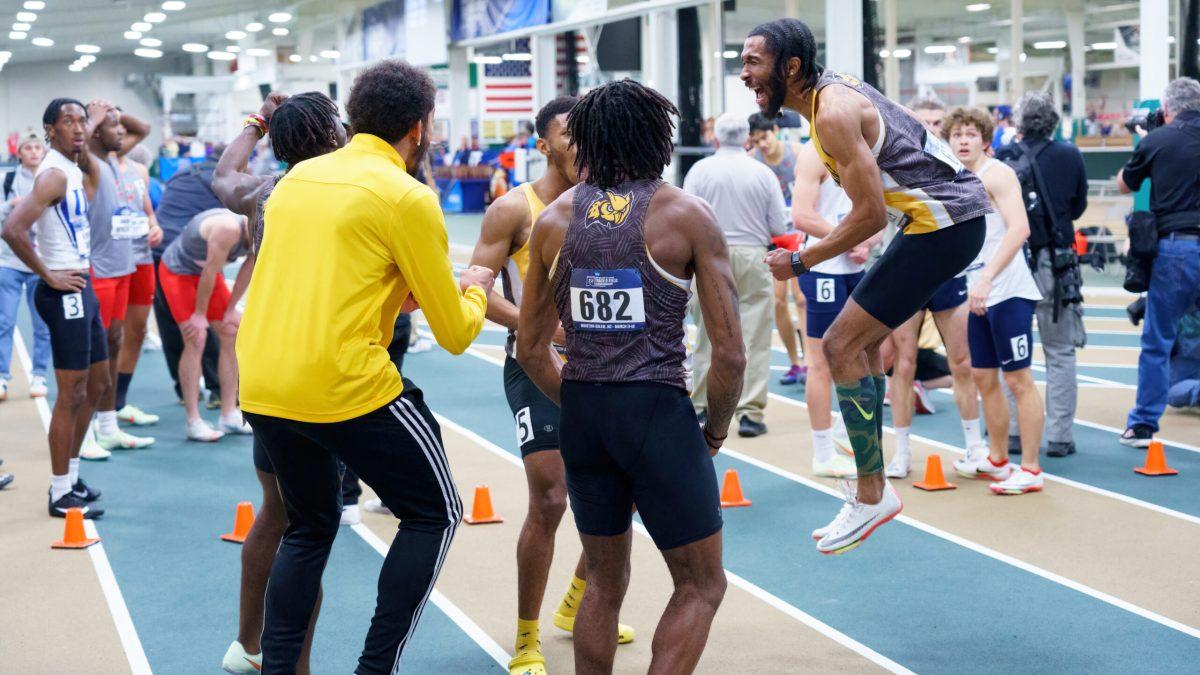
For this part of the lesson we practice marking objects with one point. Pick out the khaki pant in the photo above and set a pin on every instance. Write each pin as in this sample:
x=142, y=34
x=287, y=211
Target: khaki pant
x=756, y=301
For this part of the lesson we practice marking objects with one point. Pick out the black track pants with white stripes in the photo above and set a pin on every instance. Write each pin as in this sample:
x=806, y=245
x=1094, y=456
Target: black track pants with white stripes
x=398, y=451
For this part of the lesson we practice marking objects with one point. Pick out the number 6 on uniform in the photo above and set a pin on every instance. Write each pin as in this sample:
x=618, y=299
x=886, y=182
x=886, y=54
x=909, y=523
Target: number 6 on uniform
x=826, y=290
x=1020, y=347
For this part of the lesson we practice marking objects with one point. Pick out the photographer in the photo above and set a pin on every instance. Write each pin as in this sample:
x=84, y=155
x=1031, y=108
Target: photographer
x=1063, y=193
x=1170, y=158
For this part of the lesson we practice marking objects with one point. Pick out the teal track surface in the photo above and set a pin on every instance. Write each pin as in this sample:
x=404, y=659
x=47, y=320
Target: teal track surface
x=165, y=509
x=893, y=594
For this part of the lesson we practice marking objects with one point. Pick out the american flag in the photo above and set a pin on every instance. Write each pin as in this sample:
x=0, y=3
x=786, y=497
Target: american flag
x=508, y=88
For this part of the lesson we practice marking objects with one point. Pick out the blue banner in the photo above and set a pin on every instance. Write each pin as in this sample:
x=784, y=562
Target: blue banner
x=480, y=18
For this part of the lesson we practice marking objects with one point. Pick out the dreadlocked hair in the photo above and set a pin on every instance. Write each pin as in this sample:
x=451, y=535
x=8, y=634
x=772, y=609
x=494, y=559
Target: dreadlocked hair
x=303, y=127
x=787, y=39
x=623, y=132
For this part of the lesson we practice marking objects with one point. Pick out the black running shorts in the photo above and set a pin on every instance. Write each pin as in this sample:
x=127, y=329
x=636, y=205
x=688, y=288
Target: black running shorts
x=638, y=443
x=914, y=267
x=262, y=461
x=77, y=337
x=535, y=415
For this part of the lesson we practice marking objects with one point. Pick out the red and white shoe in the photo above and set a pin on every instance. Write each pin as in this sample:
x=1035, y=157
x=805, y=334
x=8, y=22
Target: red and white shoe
x=1019, y=483
x=977, y=464
x=923, y=402
x=853, y=525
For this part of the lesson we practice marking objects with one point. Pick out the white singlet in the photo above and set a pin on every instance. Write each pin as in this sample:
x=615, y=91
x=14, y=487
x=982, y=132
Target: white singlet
x=833, y=204
x=1015, y=280
x=63, y=232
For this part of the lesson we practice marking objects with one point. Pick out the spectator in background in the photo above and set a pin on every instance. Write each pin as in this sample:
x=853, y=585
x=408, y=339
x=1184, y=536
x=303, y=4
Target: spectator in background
x=1170, y=158
x=749, y=207
x=1005, y=132
x=16, y=279
x=1056, y=267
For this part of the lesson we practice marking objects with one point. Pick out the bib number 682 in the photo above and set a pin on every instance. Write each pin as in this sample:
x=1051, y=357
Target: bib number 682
x=600, y=305
x=607, y=300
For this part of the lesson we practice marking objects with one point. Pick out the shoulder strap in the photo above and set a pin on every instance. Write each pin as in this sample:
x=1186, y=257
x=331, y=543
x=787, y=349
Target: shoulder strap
x=8, y=183
x=1043, y=192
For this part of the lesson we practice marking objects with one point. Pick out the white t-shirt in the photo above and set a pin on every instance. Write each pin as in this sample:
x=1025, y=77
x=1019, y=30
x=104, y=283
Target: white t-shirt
x=833, y=204
x=63, y=232
x=1015, y=280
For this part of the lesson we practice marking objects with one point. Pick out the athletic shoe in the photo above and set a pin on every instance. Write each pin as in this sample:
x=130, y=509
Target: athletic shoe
x=152, y=343
x=91, y=450
x=1014, y=445
x=624, y=633
x=3, y=390
x=214, y=401
x=132, y=415
x=351, y=515
x=841, y=440
x=794, y=375
x=748, y=428
x=847, y=487
x=838, y=466
x=1019, y=483
x=420, y=344
x=1138, y=436
x=59, y=508
x=37, y=387
x=1060, y=448
x=236, y=425
x=977, y=464
x=887, y=396
x=124, y=441
x=923, y=403
x=239, y=662
x=83, y=491
x=899, y=467
x=854, y=525
x=5, y=479
x=202, y=432
x=376, y=506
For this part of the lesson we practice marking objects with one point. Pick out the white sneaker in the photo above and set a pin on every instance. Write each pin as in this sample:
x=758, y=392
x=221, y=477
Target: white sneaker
x=236, y=425
x=351, y=515
x=854, y=525
x=201, y=431
x=838, y=466
x=376, y=506
x=1020, y=482
x=841, y=439
x=124, y=441
x=238, y=662
x=131, y=414
x=924, y=403
x=977, y=464
x=420, y=344
x=152, y=343
x=847, y=487
x=91, y=450
x=37, y=387
x=899, y=467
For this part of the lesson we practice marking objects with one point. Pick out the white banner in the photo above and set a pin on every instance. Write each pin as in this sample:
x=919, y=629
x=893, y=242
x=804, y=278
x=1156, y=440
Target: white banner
x=425, y=32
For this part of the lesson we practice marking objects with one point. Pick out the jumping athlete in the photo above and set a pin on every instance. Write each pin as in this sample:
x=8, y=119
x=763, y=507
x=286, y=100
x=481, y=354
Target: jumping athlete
x=617, y=256
x=891, y=168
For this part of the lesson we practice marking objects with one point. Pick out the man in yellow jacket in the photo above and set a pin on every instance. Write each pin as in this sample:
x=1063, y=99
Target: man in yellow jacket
x=350, y=237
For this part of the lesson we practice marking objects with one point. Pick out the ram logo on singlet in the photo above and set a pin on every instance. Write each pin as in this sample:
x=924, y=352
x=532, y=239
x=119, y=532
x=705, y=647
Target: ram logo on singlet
x=609, y=209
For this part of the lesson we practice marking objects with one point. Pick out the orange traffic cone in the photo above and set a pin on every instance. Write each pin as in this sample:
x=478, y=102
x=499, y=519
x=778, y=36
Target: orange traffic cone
x=934, y=480
x=73, y=534
x=731, y=491
x=1156, y=462
x=242, y=523
x=481, y=510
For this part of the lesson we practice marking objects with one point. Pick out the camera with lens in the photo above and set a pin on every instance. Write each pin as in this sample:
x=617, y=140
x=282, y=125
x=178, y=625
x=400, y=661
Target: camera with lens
x=1066, y=272
x=1147, y=121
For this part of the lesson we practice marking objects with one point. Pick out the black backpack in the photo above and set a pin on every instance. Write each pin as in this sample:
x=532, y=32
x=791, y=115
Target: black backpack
x=1022, y=159
x=8, y=183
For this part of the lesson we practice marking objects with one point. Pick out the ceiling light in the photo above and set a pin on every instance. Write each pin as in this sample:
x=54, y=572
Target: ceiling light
x=87, y=49
x=279, y=31
x=964, y=40
x=147, y=53
x=1050, y=44
x=194, y=47
x=334, y=54
x=141, y=26
x=5, y=55
x=258, y=51
x=173, y=5
x=17, y=35
x=883, y=53
x=86, y=58
x=730, y=54
x=583, y=58
x=132, y=35
x=979, y=7
x=279, y=17
x=221, y=56
x=902, y=53
x=517, y=56
x=253, y=27
x=1023, y=57
x=1170, y=39
x=489, y=60
x=34, y=5
x=42, y=42
x=27, y=17
x=155, y=17
x=235, y=35
x=940, y=49
x=312, y=58
x=1104, y=46
x=22, y=26
x=295, y=58
x=232, y=49
x=75, y=68
x=993, y=50
x=151, y=42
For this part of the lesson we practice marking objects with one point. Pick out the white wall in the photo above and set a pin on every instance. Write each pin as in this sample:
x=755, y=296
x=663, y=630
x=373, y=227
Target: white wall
x=26, y=88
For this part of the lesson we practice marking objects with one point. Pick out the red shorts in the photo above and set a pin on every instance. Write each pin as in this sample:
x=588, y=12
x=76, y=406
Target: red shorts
x=141, y=286
x=113, y=295
x=790, y=241
x=180, y=290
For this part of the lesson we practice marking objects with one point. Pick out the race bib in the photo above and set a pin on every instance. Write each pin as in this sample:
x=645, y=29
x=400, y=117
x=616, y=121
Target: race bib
x=130, y=226
x=73, y=306
x=897, y=218
x=524, y=426
x=604, y=301
x=83, y=242
x=1020, y=347
x=826, y=290
x=939, y=150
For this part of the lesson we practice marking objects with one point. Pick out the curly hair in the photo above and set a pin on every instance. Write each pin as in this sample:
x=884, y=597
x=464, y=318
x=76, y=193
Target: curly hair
x=623, y=132
x=388, y=98
x=304, y=126
x=1036, y=115
x=966, y=116
x=558, y=106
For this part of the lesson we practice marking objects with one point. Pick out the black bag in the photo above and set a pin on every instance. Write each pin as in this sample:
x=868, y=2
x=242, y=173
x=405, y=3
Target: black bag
x=1143, y=234
x=1024, y=165
x=8, y=183
x=1137, y=274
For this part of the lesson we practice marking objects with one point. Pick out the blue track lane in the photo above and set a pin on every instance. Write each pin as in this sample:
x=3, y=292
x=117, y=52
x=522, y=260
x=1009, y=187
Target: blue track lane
x=893, y=594
x=165, y=508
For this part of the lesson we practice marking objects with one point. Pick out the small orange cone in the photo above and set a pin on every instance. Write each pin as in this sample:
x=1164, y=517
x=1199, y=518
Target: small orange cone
x=481, y=510
x=934, y=480
x=242, y=523
x=1156, y=462
x=731, y=491
x=73, y=534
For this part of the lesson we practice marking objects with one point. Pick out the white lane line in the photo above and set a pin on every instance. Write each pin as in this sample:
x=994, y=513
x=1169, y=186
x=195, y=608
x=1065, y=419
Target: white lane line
x=443, y=603
x=758, y=592
x=1089, y=379
x=126, y=631
x=1123, y=366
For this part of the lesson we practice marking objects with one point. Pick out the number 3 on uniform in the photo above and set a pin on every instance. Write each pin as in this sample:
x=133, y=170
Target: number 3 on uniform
x=524, y=426
x=826, y=290
x=1020, y=347
x=73, y=306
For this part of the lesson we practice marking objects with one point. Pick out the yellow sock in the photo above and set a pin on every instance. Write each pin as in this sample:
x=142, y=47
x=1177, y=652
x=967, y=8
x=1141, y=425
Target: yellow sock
x=570, y=601
x=528, y=638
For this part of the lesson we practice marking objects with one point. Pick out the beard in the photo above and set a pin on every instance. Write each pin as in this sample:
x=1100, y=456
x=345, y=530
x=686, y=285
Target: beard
x=418, y=154
x=778, y=87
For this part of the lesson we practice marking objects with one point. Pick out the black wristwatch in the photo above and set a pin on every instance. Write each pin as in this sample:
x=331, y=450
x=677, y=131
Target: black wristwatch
x=798, y=265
